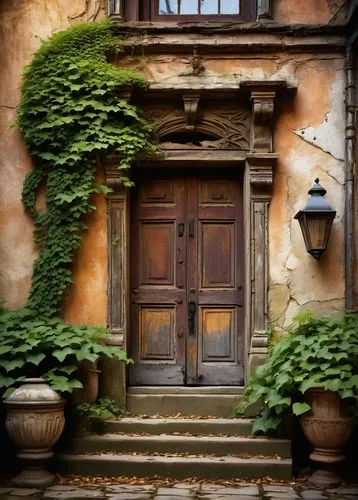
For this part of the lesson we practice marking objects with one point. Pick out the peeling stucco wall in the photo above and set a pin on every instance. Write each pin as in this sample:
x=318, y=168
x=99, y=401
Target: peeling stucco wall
x=297, y=281
x=309, y=11
x=309, y=136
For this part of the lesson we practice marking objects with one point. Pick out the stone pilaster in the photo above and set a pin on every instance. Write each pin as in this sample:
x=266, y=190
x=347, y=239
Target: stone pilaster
x=113, y=378
x=259, y=178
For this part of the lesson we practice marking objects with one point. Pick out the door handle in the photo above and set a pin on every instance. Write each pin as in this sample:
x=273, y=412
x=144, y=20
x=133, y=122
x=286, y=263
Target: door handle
x=181, y=229
x=191, y=317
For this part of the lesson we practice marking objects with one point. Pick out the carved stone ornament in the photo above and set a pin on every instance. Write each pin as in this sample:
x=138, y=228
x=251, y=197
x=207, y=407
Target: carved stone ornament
x=227, y=126
x=191, y=102
x=263, y=107
x=113, y=179
x=263, y=95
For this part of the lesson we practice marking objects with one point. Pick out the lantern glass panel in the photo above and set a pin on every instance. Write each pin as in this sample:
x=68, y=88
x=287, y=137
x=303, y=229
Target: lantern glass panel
x=317, y=227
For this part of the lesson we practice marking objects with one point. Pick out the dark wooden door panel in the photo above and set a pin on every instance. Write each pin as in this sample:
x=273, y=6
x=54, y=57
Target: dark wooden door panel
x=220, y=282
x=217, y=251
x=156, y=254
x=187, y=281
x=158, y=277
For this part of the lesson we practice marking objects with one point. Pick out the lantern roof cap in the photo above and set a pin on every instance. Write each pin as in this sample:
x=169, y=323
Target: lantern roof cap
x=317, y=201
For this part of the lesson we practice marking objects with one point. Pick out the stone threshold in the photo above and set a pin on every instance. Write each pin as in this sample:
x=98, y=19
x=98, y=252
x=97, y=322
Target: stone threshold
x=186, y=390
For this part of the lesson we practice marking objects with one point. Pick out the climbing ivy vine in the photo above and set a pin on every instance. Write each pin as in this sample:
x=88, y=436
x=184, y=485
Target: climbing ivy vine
x=70, y=116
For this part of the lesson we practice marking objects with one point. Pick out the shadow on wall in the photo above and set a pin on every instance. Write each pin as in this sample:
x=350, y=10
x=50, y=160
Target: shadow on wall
x=8, y=461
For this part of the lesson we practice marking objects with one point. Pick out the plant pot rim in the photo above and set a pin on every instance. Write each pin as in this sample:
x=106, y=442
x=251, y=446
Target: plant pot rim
x=35, y=380
x=36, y=404
x=319, y=390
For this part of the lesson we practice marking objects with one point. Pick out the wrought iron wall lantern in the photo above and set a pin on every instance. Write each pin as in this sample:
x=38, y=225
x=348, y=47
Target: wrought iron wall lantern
x=316, y=221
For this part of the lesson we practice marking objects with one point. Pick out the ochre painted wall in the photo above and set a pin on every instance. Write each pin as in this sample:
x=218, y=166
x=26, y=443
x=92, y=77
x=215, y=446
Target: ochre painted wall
x=309, y=136
x=307, y=11
x=22, y=26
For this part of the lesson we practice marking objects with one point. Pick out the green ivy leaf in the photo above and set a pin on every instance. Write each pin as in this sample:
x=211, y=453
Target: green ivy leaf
x=61, y=354
x=6, y=381
x=10, y=365
x=300, y=408
x=35, y=359
x=5, y=349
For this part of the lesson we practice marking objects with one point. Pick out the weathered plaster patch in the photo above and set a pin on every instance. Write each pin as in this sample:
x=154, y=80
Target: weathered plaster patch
x=333, y=306
x=327, y=136
x=279, y=297
x=308, y=11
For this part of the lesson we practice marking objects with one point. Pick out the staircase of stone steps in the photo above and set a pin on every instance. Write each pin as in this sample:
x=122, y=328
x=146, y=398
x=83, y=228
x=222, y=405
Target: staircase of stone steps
x=183, y=443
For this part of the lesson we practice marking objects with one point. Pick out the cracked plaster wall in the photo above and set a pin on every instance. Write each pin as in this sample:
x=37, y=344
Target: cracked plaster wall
x=296, y=280
x=309, y=11
x=309, y=136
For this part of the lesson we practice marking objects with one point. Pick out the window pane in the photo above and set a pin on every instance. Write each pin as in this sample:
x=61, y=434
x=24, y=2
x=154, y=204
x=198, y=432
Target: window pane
x=189, y=7
x=168, y=7
x=209, y=6
x=230, y=7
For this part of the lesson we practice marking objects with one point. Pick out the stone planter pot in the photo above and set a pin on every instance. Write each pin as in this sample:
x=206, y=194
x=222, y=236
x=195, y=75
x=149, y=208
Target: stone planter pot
x=328, y=428
x=35, y=421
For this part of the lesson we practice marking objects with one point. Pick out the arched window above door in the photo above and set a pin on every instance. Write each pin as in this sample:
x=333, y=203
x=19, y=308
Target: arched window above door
x=190, y=10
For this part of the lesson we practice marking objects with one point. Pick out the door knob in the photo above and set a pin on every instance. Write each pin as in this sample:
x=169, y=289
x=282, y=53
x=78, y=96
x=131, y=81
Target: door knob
x=181, y=229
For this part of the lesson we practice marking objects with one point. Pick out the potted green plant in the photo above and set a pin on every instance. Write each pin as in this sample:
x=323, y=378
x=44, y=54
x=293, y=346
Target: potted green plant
x=96, y=413
x=44, y=355
x=311, y=372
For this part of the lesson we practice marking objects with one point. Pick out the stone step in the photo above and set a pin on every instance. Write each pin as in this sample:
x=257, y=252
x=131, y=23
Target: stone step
x=169, y=444
x=188, y=402
x=186, y=389
x=227, y=426
x=109, y=464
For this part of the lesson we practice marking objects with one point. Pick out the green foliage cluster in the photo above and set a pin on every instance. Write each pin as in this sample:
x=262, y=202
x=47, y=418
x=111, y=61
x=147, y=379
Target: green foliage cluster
x=47, y=347
x=102, y=408
x=70, y=116
x=314, y=352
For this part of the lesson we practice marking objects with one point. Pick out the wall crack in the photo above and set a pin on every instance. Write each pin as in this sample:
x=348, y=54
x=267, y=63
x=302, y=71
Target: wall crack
x=321, y=148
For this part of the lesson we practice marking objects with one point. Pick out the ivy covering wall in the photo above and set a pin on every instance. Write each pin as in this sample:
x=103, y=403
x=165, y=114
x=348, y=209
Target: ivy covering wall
x=71, y=115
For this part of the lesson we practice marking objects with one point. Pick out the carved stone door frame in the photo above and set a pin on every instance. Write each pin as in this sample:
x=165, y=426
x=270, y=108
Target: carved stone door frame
x=258, y=177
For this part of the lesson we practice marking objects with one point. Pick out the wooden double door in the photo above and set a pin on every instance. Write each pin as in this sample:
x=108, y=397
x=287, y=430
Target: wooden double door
x=187, y=279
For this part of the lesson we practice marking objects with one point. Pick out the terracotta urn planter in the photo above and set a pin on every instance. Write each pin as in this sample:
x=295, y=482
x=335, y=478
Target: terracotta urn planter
x=89, y=376
x=34, y=421
x=328, y=428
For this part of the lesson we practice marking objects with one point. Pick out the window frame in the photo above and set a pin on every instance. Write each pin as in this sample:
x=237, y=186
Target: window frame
x=246, y=14
x=145, y=10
